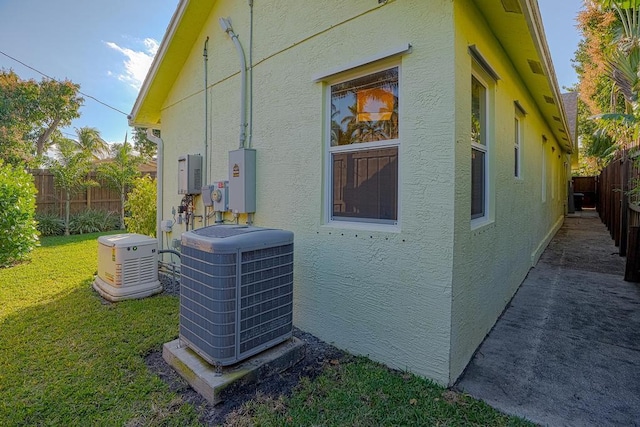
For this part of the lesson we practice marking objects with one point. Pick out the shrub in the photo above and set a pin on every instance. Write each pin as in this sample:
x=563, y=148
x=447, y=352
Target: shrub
x=50, y=224
x=141, y=206
x=18, y=232
x=92, y=221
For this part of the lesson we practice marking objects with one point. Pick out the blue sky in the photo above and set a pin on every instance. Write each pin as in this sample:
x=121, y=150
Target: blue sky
x=104, y=45
x=107, y=45
x=559, y=18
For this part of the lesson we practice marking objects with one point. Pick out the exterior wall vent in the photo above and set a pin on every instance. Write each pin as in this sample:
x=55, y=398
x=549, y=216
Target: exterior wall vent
x=511, y=6
x=536, y=67
x=236, y=294
x=549, y=99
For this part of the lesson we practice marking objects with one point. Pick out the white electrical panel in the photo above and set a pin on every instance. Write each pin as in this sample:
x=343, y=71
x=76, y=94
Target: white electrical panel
x=190, y=174
x=242, y=180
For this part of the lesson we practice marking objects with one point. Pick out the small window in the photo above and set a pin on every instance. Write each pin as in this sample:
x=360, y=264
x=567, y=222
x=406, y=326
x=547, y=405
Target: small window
x=363, y=148
x=479, y=148
x=517, y=146
x=544, y=169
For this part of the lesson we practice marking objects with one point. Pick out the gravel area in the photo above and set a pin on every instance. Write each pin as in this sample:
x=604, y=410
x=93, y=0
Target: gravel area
x=318, y=354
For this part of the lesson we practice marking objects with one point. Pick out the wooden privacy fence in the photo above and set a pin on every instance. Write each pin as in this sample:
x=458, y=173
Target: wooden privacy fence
x=51, y=200
x=587, y=186
x=619, y=209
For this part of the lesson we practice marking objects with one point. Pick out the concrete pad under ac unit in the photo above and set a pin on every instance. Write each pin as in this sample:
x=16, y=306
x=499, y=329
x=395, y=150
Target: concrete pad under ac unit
x=213, y=383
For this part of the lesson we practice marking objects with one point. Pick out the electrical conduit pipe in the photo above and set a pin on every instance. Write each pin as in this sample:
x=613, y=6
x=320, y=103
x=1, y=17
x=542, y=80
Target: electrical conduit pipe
x=159, y=175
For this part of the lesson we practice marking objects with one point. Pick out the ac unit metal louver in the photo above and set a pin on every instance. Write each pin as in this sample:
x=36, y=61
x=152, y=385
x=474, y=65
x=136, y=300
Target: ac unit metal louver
x=127, y=267
x=236, y=293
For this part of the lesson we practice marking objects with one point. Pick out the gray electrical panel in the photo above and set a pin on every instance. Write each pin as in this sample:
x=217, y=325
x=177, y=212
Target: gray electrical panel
x=242, y=180
x=190, y=174
x=217, y=196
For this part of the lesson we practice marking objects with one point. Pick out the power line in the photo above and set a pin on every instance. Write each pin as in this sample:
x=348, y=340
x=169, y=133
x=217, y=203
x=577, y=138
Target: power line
x=51, y=78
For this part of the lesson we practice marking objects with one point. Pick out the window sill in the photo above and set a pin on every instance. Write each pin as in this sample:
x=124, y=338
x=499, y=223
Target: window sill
x=368, y=226
x=479, y=224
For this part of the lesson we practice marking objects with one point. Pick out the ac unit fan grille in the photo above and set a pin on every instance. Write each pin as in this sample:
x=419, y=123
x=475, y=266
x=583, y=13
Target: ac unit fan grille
x=228, y=311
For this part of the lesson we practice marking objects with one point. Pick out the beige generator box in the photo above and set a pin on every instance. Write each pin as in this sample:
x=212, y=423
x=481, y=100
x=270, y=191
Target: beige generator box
x=127, y=267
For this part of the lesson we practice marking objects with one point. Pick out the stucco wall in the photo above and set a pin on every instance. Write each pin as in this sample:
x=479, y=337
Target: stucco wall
x=491, y=261
x=386, y=294
x=421, y=296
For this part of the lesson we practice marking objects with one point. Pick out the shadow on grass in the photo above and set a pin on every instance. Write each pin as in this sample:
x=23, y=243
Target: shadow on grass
x=77, y=360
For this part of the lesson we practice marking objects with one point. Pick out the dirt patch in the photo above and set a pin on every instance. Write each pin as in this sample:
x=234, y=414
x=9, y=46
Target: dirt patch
x=318, y=354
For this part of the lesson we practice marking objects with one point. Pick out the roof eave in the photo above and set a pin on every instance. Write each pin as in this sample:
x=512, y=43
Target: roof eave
x=534, y=20
x=185, y=27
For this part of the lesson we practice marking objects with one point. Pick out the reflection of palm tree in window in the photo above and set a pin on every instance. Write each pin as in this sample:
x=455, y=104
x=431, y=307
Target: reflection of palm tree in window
x=365, y=109
x=336, y=129
x=360, y=127
x=351, y=123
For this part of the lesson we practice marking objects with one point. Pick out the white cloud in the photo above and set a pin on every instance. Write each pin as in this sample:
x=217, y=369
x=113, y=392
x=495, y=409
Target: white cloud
x=137, y=62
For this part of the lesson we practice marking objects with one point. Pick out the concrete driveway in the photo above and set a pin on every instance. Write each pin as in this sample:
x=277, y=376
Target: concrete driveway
x=566, y=352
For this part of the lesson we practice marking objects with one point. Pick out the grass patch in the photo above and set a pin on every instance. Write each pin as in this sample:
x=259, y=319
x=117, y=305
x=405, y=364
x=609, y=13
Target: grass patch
x=66, y=358
x=360, y=392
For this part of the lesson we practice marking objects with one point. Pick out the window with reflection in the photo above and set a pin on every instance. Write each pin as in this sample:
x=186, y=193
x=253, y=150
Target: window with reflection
x=478, y=149
x=364, y=139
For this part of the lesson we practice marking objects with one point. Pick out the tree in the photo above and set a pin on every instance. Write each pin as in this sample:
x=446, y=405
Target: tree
x=90, y=142
x=142, y=145
x=120, y=172
x=15, y=102
x=141, y=205
x=17, y=209
x=70, y=170
x=607, y=62
x=31, y=112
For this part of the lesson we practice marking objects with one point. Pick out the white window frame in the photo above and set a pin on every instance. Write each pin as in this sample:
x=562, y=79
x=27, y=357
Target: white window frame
x=360, y=223
x=486, y=148
x=518, y=143
x=544, y=169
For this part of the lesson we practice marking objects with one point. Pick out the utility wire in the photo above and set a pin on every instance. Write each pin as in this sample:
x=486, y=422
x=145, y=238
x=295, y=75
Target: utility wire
x=51, y=78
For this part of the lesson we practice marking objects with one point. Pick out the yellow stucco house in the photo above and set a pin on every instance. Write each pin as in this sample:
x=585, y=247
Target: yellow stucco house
x=417, y=149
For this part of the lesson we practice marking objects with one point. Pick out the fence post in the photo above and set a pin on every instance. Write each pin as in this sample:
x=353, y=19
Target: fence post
x=632, y=268
x=624, y=208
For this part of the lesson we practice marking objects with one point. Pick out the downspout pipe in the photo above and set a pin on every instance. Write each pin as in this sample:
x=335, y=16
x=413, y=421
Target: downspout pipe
x=250, y=136
x=160, y=171
x=225, y=23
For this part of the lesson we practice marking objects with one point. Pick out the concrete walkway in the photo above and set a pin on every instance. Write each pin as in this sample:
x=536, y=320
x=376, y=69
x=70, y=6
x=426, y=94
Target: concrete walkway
x=566, y=352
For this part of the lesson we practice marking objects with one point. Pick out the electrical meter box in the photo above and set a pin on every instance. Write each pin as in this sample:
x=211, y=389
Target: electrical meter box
x=242, y=180
x=190, y=174
x=216, y=195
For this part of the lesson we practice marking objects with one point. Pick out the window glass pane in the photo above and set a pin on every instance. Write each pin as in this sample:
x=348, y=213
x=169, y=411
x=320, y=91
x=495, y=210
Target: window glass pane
x=517, y=146
x=477, y=183
x=365, y=184
x=365, y=109
x=477, y=111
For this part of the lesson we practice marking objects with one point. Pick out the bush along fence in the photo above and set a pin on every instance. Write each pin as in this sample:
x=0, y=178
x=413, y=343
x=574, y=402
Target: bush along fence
x=50, y=201
x=619, y=207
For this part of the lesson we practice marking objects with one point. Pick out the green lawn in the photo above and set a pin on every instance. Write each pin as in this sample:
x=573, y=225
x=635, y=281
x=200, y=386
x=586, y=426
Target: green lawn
x=67, y=358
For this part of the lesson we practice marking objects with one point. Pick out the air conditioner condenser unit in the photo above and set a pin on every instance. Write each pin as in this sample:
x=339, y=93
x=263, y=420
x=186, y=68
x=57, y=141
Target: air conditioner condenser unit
x=127, y=267
x=236, y=293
